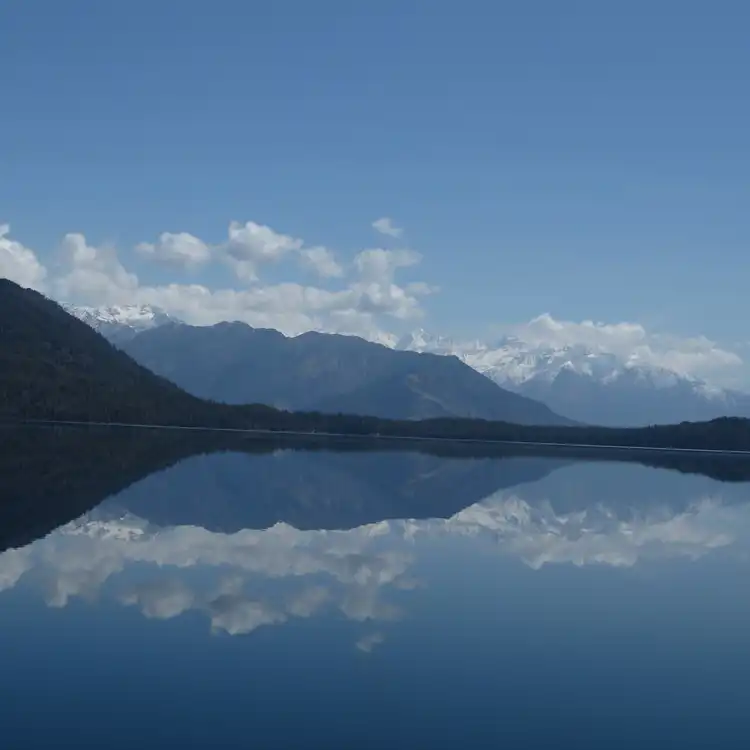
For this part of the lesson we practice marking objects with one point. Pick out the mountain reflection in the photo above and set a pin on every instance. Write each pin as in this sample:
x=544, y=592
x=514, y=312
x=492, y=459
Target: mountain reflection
x=267, y=537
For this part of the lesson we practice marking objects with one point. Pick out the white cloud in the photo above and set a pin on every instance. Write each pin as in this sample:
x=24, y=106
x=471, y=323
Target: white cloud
x=321, y=260
x=632, y=343
x=387, y=227
x=181, y=248
x=19, y=263
x=380, y=265
x=365, y=297
x=258, y=242
x=93, y=275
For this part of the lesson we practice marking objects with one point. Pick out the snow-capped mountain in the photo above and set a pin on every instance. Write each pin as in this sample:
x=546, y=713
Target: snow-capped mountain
x=120, y=323
x=579, y=382
x=590, y=385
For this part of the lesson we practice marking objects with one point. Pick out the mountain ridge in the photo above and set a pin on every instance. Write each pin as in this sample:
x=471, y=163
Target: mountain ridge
x=585, y=383
x=235, y=363
x=54, y=367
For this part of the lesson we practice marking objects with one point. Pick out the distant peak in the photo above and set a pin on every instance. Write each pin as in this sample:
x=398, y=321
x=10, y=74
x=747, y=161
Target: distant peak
x=118, y=322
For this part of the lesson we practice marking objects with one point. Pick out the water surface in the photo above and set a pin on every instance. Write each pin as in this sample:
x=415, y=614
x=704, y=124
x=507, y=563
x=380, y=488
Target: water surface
x=310, y=599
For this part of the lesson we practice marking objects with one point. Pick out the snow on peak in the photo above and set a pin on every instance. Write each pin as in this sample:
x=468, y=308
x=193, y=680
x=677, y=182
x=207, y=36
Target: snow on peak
x=120, y=322
x=514, y=363
x=137, y=316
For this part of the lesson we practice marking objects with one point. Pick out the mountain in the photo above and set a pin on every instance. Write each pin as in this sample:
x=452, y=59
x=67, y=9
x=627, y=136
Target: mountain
x=120, y=323
x=330, y=373
x=586, y=384
x=583, y=383
x=55, y=366
x=590, y=385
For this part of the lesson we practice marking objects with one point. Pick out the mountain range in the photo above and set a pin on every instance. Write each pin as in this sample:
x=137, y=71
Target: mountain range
x=589, y=384
x=581, y=382
x=234, y=363
x=54, y=367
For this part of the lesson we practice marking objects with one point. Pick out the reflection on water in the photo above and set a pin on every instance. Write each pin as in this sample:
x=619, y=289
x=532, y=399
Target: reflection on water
x=481, y=592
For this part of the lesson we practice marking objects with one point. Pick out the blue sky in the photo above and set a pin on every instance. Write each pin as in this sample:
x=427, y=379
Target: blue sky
x=585, y=159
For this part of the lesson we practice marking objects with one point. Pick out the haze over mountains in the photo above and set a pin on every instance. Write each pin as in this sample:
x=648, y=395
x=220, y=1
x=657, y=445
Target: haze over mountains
x=582, y=382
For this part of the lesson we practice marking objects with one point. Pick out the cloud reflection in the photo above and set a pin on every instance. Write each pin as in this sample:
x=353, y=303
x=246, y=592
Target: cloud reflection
x=355, y=574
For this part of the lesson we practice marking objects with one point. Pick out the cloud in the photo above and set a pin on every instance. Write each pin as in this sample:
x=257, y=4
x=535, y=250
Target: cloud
x=85, y=558
x=160, y=599
x=93, y=274
x=368, y=642
x=380, y=265
x=19, y=263
x=14, y=565
x=631, y=343
x=181, y=249
x=353, y=571
x=309, y=601
x=387, y=227
x=322, y=261
x=366, y=300
x=237, y=615
x=251, y=244
x=364, y=296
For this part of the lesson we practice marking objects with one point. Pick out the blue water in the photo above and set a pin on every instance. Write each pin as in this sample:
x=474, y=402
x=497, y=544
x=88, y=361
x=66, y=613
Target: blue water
x=590, y=606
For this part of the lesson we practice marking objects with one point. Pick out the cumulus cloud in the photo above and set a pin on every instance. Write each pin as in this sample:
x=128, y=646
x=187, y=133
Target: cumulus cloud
x=182, y=249
x=366, y=296
x=632, y=343
x=19, y=263
x=322, y=261
x=380, y=265
x=387, y=227
x=251, y=244
x=93, y=275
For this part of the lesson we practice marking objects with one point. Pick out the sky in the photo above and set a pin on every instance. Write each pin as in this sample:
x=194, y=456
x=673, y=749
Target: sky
x=465, y=167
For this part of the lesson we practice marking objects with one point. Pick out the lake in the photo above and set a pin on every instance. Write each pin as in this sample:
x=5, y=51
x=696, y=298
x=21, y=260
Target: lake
x=156, y=592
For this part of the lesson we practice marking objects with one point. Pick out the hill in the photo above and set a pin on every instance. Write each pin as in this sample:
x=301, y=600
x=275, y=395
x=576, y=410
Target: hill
x=54, y=367
x=236, y=364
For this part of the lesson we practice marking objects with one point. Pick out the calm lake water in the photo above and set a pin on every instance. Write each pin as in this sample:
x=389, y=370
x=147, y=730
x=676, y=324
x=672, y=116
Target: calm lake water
x=293, y=599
